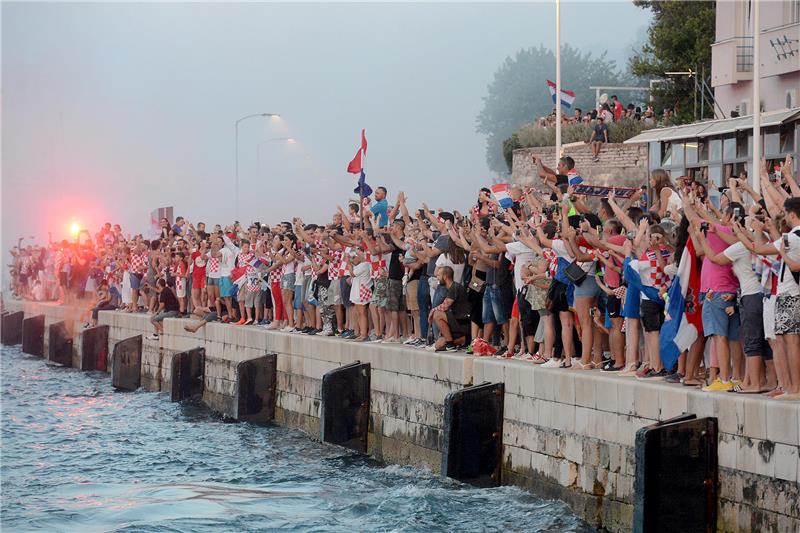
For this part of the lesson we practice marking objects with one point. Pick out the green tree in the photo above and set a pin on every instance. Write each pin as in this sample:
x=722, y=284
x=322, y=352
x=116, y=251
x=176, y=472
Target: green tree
x=679, y=39
x=518, y=94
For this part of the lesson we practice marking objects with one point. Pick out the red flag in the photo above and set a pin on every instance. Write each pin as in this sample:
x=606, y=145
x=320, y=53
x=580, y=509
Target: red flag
x=364, y=141
x=357, y=164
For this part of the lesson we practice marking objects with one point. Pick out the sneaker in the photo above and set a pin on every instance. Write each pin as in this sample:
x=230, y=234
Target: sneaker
x=241, y=322
x=248, y=322
x=652, y=373
x=451, y=347
x=431, y=348
x=673, y=378
x=376, y=340
x=287, y=329
x=519, y=355
x=501, y=353
x=470, y=350
x=153, y=337
x=552, y=363
x=313, y=331
x=391, y=340
x=718, y=385
x=327, y=332
x=411, y=341
x=643, y=370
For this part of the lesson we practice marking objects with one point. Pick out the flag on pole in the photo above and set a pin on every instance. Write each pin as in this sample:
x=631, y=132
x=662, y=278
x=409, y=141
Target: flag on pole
x=362, y=189
x=567, y=97
x=356, y=166
x=684, y=322
x=500, y=192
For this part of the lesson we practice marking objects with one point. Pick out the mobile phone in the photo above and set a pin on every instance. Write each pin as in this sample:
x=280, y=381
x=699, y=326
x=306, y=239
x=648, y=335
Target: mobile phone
x=722, y=189
x=737, y=212
x=704, y=227
x=786, y=241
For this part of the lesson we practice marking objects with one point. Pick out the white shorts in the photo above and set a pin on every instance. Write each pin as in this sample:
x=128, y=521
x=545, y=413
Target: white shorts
x=769, y=317
x=180, y=290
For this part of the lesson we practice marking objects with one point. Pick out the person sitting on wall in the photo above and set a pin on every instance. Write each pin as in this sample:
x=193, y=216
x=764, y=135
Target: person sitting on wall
x=452, y=315
x=168, y=307
x=599, y=136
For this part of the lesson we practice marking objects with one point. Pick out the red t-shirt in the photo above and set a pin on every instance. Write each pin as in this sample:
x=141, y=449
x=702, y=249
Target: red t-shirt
x=198, y=267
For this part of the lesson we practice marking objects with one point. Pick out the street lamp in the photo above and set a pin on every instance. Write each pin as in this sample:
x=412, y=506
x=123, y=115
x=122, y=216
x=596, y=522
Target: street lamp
x=289, y=140
x=236, y=126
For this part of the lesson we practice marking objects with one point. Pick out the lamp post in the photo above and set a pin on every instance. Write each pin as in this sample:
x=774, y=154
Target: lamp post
x=236, y=127
x=289, y=140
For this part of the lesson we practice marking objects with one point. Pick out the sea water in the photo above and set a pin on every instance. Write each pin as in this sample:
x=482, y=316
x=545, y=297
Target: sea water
x=78, y=456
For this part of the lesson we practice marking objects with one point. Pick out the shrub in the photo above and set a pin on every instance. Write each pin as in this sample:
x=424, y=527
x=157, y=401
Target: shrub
x=530, y=136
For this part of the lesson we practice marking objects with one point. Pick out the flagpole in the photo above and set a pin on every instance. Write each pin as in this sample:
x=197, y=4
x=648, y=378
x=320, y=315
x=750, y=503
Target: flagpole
x=558, y=80
x=755, y=179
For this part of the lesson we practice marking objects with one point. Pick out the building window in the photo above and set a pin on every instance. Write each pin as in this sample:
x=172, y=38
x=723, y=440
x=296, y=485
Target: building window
x=691, y=152
x=715, y=150
x=729, y=148
x=666, y=154
x=787, y=137
x=795, y=11
x=742, y=144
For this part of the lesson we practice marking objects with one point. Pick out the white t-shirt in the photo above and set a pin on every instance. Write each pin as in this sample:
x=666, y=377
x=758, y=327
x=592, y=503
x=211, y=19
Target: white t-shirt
x=444, y=260
x=743, y=268
x=360, y=278
x=674, y=204
x=521, y=255
x=787, y=286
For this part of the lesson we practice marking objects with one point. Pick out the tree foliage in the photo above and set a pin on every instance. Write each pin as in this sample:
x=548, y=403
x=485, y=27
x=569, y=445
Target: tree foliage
x=679, y=39
x=518, y=94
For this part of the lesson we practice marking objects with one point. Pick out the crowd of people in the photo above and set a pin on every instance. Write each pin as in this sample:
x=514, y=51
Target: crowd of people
x=552, y=278
x=610, y=110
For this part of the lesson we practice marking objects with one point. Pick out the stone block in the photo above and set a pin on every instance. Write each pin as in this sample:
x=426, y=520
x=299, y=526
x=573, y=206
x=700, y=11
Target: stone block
x=755, y=419
x=564, y=383
x=606, y=395
x=544, y=387
x=783, y=420
x=785, y=461
x=645, y=401
x=673, y=401
x=729, y=409
x=727, y=450
x=544, y=413
x=585, y=392
x=573, y=449
x=700, y=403
x=563, y=417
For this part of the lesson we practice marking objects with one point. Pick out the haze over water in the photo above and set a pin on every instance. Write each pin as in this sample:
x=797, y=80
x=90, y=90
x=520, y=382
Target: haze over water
x=78, y=456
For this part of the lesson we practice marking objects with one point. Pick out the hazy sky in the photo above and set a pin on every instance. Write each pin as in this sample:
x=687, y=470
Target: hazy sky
x=111, y=110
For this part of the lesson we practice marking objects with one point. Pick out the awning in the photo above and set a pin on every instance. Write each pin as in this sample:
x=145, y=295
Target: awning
x=709, y=128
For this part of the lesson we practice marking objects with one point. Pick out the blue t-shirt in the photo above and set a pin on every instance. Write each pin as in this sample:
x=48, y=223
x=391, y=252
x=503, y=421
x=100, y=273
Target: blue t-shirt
x=381, y=212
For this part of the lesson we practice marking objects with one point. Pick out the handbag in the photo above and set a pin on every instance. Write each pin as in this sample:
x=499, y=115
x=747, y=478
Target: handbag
x=476, y=283
x=575, y=273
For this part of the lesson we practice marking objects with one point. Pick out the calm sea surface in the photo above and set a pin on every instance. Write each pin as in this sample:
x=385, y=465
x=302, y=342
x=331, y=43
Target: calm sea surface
x=77, y=456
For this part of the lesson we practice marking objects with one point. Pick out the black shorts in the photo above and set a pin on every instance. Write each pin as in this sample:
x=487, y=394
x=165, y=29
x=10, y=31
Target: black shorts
x=652, y=315
x=458, y=328
x=614, y=306
x=557, y=295
x=751, y=314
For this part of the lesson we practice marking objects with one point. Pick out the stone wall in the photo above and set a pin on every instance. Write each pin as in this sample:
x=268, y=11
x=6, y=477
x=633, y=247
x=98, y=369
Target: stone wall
x=620, y=164
x=566, y=434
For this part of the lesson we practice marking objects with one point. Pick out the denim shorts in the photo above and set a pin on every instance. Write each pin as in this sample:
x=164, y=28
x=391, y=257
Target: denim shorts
x=136, y=281
x=497, y=302
x=159, y=317
x=587, y=289
x=287, y=282
x=212, y=282
x=298, y=297
x=716, y=321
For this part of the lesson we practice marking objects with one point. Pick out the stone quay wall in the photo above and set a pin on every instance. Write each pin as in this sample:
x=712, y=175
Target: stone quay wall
x=566, y=434
x=624, y=165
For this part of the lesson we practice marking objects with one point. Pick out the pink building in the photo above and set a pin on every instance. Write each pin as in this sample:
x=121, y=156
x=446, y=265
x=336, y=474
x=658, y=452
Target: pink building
x=732, y=56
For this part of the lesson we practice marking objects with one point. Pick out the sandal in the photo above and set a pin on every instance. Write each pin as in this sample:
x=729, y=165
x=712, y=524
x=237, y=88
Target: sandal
x=580, y=366
x=564, y=363
x=537, y=359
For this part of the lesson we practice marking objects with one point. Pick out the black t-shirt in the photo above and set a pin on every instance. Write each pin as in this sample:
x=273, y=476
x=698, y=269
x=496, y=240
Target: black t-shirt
x=168, y=299
x=502, y=274
x=396, y=267
x=460, y=307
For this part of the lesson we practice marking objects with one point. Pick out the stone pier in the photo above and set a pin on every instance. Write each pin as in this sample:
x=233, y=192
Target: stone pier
x=566, y=434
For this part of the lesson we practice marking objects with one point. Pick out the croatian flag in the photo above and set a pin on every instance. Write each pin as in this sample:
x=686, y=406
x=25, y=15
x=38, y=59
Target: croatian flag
x=238, y=276
x=356, y=166
x=567, y=97
x=684, y=322
x=255, y=262
x=574, y=178
x=500, y=192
